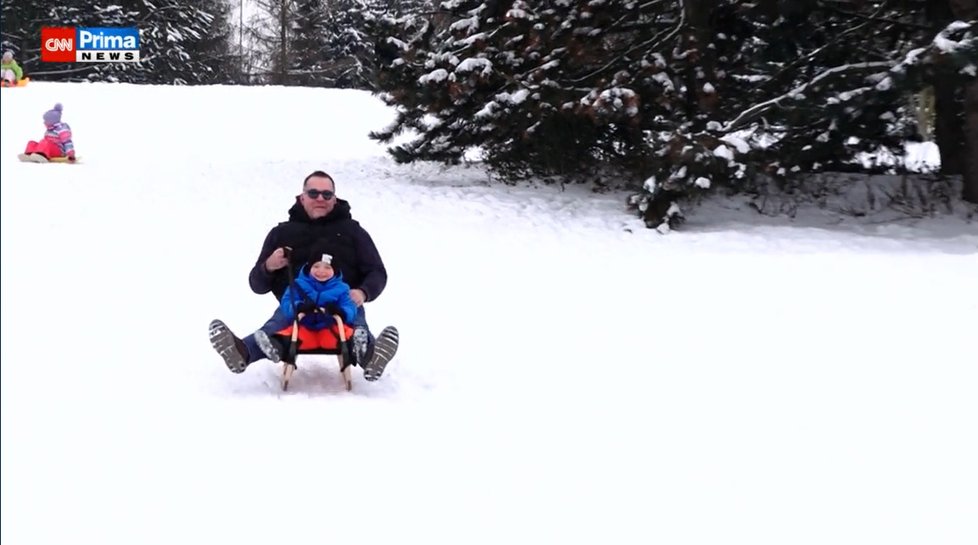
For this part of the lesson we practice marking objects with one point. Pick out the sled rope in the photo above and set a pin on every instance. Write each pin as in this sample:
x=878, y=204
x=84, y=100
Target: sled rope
x=290, y=363
x=344, y=365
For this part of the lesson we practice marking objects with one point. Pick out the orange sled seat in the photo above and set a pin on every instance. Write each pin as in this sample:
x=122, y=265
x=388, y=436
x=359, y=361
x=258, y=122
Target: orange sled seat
x=325, y=341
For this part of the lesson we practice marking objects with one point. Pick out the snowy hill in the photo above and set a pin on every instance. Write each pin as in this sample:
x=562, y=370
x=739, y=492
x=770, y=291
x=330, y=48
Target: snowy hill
x=565, y=375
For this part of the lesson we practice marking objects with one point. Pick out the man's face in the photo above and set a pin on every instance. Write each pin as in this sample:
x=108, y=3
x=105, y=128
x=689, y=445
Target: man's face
x=324, y=199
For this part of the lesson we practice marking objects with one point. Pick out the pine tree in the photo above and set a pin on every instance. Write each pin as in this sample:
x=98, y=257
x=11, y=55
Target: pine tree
x=215, y=53
x=181, y=41
x=349, y=47
x=544, y=87
x=23, y=22
x=268, y=30
x=325, y=43
x=308, y=43
x=956, y=102
x=184, y=42
x=19, y=32
x=687, y=95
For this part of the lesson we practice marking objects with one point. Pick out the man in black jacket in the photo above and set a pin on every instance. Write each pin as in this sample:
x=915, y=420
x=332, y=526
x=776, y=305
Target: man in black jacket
x=318, y=218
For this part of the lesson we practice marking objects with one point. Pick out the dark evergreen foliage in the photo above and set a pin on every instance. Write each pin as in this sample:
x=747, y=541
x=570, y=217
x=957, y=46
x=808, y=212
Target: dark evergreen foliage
x=181, y=41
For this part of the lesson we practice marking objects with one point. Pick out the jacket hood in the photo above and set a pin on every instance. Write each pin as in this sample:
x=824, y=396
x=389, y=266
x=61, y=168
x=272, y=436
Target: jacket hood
x=341, y=211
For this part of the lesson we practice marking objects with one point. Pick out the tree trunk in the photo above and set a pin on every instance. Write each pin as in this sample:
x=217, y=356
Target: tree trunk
x=283, y=42
x=966, y=10
x=970, y=177
x=701, y=100
x=949, y=125
x=948, y=112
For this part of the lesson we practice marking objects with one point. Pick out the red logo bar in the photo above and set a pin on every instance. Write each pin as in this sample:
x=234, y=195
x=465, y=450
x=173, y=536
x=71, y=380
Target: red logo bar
x=58, y=44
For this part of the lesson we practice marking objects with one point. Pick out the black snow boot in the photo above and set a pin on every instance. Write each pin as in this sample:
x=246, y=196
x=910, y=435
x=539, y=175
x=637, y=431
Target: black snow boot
x=273, y=346
x=230, y=348
x=384, y=349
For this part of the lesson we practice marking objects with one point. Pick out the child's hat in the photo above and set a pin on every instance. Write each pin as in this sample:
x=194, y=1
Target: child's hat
x=318, y=255
x=53, y=115
x=8, y=55
x=326, y=258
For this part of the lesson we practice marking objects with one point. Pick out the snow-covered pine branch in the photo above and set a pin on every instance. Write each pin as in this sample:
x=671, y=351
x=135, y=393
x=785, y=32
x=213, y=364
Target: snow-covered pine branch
x=943, y=44
x=757, y=110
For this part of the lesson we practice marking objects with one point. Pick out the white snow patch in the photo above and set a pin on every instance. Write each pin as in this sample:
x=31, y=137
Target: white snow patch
x=763, y=389
x=513, y=98
x=943, y=43
x=473, y=64
x=487, y=110
x=663, y=79
x=737, y=141
x=469, y=24
x=650, y=184
x=435, y=76
x=723, y=152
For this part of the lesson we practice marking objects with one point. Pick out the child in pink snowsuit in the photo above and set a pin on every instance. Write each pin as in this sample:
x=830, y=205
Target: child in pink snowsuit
x=57, y=139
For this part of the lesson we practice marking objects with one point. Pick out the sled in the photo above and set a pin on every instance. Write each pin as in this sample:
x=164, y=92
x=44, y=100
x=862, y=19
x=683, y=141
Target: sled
x=341, y=352
x=38, y=158
x=21, y=83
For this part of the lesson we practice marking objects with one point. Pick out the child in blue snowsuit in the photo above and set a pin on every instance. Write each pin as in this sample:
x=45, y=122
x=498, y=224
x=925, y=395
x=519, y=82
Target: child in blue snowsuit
x=318, y=293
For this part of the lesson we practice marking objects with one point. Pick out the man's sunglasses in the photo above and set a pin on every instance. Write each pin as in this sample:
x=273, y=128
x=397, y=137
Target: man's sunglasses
x=315, y=193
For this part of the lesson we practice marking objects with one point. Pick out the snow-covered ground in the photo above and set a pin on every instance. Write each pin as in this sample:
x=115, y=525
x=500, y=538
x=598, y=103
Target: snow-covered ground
x=565, y=375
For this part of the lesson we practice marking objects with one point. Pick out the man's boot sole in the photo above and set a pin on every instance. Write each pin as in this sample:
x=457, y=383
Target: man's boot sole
x=384, y=349
x=223, y=341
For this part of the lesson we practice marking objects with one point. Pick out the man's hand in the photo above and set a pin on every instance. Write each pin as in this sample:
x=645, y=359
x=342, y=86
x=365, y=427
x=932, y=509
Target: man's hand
x=358, y=297
x=276, y=261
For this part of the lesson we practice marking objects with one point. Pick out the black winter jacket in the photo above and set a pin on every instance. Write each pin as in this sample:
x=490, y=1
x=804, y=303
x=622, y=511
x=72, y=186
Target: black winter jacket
x=339, y=234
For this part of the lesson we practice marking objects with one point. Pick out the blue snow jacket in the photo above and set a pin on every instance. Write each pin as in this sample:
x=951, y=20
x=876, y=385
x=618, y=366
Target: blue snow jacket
x=307, y=289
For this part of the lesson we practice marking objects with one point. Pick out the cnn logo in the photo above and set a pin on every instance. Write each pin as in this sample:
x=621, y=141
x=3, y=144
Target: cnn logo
x=57, y=44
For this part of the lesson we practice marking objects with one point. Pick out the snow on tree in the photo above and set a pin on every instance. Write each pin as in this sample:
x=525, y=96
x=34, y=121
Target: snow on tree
x=529, y=82
x=181, y=41
x=322, y=43
x=680, y=96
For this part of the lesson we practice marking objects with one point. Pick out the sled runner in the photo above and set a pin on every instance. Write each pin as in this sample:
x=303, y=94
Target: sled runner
x=317, y=342
x=38, y=158
x=21, y=83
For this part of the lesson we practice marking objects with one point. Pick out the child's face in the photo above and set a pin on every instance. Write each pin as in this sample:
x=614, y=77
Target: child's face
x=321, y=271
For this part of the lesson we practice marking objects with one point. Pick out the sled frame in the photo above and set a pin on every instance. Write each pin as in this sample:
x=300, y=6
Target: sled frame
x=38, y=158
x=290, y=366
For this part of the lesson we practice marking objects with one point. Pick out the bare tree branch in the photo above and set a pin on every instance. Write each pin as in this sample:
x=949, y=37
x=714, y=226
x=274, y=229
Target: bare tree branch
x=646, y=44
x=875, y=16
x=808, y=58
x=65, y=71
x=754, y=111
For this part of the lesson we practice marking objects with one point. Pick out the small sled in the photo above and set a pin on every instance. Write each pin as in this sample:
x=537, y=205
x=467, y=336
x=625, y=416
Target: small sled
x=20, y=83
x=38, y=158
x=341, y=351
